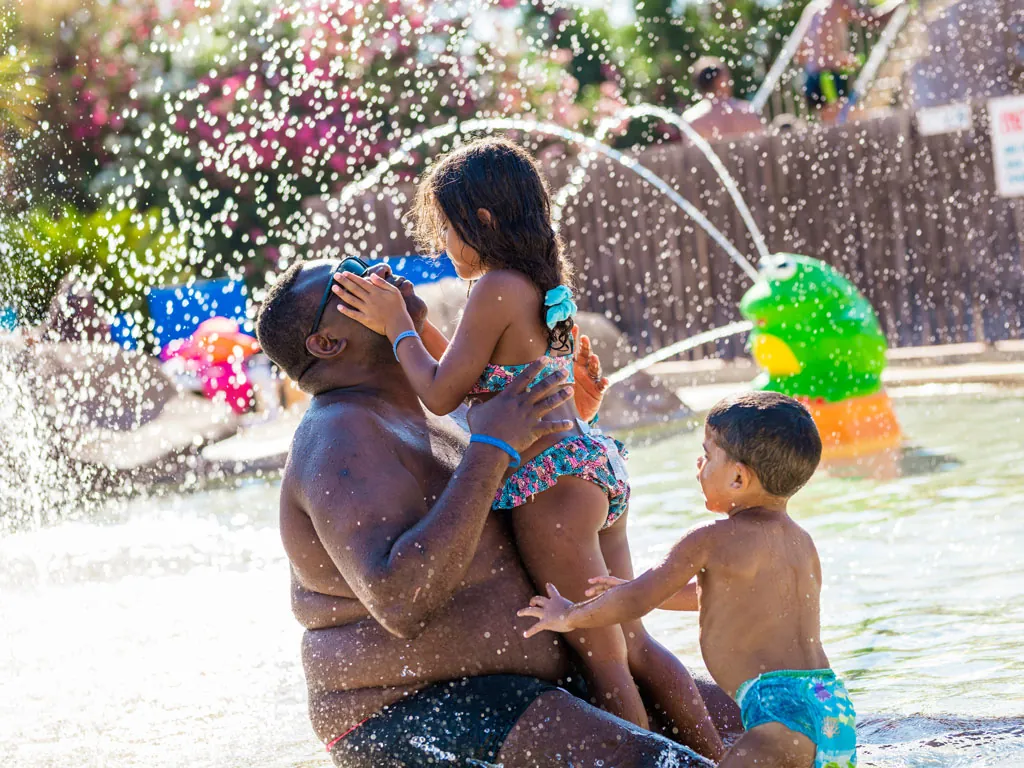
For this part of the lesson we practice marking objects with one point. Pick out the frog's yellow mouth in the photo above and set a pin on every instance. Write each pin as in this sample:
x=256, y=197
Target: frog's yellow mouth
x=774, y=355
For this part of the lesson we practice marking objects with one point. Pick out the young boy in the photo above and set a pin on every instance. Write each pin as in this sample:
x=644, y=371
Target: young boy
x=758, y=583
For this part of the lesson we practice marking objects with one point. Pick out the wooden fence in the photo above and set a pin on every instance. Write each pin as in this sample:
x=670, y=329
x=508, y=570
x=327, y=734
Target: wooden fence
x=914, y=221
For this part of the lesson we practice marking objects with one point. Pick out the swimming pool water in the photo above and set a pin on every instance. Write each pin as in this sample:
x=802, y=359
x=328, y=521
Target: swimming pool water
x=157, y=631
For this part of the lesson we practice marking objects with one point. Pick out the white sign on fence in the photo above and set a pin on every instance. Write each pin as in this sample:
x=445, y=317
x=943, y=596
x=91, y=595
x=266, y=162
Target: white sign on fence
x=1007, y=116
x=950, y=118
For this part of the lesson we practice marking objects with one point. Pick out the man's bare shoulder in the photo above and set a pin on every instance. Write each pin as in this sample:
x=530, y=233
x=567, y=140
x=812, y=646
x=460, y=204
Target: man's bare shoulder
x=333, y=433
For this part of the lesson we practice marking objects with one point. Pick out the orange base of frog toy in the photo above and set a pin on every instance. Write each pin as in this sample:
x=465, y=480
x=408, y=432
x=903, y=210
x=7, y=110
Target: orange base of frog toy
x=860, y=426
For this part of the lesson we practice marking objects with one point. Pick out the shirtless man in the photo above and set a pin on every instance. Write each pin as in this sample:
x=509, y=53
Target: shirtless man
x=719, y=114
x=408, y=584
x=826, y=56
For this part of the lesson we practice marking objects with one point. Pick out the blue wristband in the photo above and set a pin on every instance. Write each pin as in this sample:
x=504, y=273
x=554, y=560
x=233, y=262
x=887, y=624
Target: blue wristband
x=501, y=444
x=403, y=335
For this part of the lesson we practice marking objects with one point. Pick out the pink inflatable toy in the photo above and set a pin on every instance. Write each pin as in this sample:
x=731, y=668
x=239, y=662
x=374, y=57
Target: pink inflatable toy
x=216, y=352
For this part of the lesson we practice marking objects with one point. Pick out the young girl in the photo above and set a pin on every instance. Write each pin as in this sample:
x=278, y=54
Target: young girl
x=487, y=206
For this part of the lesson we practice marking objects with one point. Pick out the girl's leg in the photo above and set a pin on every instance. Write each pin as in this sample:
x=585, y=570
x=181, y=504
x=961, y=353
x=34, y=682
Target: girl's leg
x=556, y=535
x=771, y=745
x=662, y=678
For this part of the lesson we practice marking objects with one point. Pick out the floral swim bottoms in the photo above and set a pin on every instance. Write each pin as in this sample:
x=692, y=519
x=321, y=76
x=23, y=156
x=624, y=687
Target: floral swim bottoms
x=812, y=702
x=592, y=456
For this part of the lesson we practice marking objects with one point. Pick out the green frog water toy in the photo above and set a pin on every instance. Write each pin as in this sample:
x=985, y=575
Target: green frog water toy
x=818, y=339
x=814, y=334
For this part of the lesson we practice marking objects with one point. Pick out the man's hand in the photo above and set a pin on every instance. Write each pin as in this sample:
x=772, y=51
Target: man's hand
x=590, y=384
x=552, y=613
x=602, y=584
x=516, y=415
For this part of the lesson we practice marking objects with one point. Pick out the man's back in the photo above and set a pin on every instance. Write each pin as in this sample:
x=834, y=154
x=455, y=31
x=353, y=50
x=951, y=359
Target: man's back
x=760, y=598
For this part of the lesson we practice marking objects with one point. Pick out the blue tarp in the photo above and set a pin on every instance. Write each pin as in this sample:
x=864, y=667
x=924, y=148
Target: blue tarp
x=421, y=269
x=124, y=330
x=8, y=318
x=178, y=310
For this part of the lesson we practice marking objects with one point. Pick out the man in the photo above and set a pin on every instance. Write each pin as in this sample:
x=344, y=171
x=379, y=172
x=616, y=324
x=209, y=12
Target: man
x=719, y=114
x=828, y=62
x=385, y=515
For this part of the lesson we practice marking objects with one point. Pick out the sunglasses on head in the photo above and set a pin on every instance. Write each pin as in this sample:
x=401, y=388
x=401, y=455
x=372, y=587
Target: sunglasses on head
x=353, y=265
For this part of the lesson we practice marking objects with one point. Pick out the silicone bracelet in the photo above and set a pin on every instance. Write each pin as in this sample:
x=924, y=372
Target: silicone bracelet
x=501, y=444
x=403, y=335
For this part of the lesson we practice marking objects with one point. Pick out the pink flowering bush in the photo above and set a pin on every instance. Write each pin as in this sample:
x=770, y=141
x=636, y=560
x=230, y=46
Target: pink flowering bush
x=230, y=116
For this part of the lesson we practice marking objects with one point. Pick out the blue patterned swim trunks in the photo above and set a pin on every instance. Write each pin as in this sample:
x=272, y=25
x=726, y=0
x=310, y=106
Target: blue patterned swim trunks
x=812, y=702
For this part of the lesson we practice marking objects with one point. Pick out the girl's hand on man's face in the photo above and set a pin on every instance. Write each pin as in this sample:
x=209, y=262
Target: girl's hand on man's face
x=375, y=303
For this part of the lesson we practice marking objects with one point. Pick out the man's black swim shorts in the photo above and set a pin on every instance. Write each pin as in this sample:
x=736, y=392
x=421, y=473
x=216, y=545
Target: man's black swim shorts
x=458, y=723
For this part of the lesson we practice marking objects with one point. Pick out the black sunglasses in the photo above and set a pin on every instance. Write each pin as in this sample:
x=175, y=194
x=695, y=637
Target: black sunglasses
x=352, y=264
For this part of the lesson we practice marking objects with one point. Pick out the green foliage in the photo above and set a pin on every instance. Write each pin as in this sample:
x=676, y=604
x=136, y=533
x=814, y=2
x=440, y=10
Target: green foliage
x=117, y=253
x=21, y=93
x=232, y=120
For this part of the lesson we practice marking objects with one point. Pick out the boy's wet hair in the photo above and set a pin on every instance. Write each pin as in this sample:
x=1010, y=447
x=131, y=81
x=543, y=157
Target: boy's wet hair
x=772, y=434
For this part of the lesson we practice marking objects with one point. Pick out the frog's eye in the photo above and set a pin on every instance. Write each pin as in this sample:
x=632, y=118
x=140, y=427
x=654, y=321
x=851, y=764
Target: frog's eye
x=781, y=269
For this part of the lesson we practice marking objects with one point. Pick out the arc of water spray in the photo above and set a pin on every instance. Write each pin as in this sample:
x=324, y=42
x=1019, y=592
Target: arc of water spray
x=650, y=110
x=349, y=192
x=786, y=54
x=679, y=347
x=878, y=56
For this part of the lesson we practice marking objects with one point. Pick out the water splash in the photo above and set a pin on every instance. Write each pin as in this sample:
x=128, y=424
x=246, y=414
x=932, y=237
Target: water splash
x=786, y=55
x=38, y=484
x=374, y=177
x=575, y=182
x=706, y=337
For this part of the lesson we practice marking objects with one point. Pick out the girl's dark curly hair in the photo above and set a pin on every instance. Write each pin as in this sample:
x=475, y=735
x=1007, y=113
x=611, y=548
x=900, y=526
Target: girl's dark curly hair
x=502, y=178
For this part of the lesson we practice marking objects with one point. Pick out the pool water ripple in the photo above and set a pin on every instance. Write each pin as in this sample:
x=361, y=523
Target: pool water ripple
x=157, y=633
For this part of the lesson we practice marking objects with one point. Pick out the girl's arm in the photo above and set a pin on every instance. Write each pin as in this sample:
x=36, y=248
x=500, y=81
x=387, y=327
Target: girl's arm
x=625, y=602
x=441, y=384
x=590, y=383
x=435, y=342
x=683, y=600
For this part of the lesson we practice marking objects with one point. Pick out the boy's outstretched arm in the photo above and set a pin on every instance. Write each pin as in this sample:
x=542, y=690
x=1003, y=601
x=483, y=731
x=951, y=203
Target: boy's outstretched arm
x=625, y=602
x=683, y=600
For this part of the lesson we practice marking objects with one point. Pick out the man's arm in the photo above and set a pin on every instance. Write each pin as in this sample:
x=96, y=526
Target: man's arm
x=314, y=610
x=628, y=601
x=400, y=559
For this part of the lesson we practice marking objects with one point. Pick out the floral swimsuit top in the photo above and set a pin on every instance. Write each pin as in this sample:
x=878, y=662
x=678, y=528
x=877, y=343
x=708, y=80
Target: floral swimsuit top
x=496, y=378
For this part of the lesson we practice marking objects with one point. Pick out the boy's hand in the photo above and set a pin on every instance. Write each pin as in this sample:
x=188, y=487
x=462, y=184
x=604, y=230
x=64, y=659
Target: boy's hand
x=552, y=613
x=375, y=303
x=602, y=584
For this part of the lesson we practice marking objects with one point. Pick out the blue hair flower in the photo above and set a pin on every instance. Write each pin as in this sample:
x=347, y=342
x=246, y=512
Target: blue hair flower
x=560, y=305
